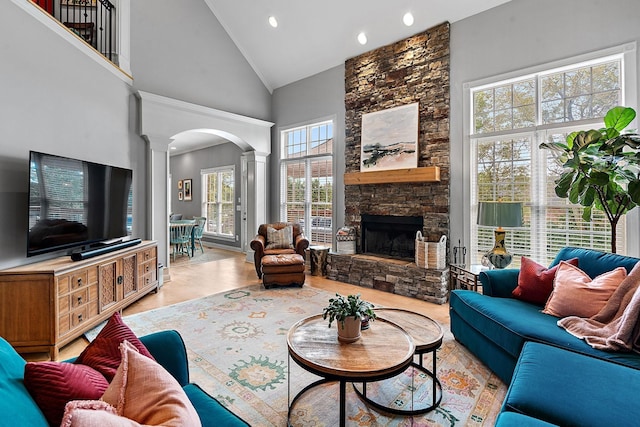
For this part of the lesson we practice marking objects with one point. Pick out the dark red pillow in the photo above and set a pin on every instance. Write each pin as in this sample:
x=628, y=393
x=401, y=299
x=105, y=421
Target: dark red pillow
x=535, y=281
x=103, y=353
x=53, y=384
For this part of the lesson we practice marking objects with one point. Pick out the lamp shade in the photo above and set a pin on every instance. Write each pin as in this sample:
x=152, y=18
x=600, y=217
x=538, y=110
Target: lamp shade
x=500, y=214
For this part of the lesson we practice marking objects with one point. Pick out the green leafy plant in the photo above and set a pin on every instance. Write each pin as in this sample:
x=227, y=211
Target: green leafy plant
x=341, y=307
x=601, y=168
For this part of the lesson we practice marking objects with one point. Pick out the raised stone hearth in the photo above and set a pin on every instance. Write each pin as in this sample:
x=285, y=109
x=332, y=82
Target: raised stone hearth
x=389, y=275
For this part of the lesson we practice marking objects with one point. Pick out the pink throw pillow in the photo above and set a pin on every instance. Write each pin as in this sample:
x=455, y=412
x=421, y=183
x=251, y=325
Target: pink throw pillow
x=53, y=384
x=103, y=353
x=93, y=413
x=535, y=281
x=145, y=392
x=576, y=294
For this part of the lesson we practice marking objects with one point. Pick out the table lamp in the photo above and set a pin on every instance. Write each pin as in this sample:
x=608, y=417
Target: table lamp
x=500, y=214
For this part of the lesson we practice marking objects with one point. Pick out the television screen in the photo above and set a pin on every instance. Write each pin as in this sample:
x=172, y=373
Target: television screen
x=75, y=203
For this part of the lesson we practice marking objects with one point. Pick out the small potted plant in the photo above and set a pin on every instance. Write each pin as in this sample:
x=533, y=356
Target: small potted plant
x=348, y=312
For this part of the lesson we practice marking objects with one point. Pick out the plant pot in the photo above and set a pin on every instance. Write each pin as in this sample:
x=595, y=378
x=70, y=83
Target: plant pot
x=349, y=330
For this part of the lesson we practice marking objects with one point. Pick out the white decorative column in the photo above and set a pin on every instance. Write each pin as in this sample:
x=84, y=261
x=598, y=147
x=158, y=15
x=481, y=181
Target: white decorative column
x=256, y=195
x=158, y=195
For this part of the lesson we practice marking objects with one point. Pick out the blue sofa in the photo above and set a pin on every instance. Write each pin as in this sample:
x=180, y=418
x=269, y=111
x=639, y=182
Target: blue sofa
x=544, y=365
x=167, y=347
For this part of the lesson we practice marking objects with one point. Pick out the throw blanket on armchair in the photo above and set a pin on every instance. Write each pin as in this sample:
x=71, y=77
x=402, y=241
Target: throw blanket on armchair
x=616, y=326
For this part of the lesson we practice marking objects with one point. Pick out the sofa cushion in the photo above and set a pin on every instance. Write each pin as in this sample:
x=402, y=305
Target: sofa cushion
x=535, y=281
x=212, y=413
x=514, y=419
x=145, y=392
x=93, y=413
x=53, y=384
x=16, y=404
x=594, y=263
x=508, y=323
x=103, y=353
x=565, y=388
x=576, y=294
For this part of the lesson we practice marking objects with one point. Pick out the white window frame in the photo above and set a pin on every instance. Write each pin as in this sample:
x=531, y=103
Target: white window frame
x=627, y=54
x=307, y=159
x=203, y=209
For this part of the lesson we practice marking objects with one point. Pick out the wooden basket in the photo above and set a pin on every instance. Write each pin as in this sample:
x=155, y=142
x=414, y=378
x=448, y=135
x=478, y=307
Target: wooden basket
x=431, y=255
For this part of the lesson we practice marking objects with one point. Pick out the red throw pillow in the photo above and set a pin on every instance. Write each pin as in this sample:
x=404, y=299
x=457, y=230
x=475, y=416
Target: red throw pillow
x=103, y=353
x=535, y=281
x=53, y=384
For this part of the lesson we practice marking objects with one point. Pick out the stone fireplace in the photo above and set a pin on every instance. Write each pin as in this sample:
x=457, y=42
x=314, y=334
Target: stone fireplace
x=390, y=236
x=415, y=69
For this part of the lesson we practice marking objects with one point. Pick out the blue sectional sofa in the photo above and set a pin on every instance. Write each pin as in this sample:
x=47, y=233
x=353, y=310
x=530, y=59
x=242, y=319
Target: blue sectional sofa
x=19, y=409
x=545, y=366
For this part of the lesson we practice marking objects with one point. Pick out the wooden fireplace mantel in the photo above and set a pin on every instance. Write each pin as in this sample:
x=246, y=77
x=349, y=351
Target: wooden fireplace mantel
x=426, y=174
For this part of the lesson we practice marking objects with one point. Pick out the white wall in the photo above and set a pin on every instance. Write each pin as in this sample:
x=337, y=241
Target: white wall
x=517, y=35
x=180, y=50
x=56, y=100
x=53, y=98
x=315, y=98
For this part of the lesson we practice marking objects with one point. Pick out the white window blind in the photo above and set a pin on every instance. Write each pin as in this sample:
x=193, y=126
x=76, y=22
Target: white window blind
x=307, y=180
x=509, y=120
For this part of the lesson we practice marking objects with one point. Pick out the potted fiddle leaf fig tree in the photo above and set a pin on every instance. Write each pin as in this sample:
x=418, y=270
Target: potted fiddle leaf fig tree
x=348, y=312
x=601, y=168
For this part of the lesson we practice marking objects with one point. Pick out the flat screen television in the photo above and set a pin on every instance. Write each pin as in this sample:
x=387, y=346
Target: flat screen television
x=75, y=204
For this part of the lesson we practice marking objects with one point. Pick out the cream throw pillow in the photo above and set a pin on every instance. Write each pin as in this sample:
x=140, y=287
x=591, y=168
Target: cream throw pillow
x=576, y=294
x=280, y=239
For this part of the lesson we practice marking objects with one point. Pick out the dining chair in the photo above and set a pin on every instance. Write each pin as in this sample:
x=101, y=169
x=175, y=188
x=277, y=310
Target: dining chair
x=199, y=229
x=180, y=238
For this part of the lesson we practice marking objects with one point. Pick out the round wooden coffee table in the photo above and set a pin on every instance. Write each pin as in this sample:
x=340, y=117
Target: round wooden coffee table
x=427, y=336
x=383, y=351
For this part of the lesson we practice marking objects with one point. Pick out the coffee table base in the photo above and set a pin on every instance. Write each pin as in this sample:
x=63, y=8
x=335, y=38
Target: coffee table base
x=435, y=402
x=343, y=392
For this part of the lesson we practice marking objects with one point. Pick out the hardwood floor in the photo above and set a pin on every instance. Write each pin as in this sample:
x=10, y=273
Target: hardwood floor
x=190, y=279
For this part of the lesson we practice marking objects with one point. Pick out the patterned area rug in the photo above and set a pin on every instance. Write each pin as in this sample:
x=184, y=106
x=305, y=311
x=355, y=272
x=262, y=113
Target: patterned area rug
x=237, y=349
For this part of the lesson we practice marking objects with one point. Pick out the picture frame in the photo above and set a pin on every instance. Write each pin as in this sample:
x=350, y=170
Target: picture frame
x=389, y=139
x=180, y=185
x=85, y=3
x=187, y=189
x=180, y=195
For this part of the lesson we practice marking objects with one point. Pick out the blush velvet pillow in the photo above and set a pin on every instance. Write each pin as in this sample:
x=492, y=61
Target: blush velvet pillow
x=535, y=281
x=576, y=294
x=145, y=392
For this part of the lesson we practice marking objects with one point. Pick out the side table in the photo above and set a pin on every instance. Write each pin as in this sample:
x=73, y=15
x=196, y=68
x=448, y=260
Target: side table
x=318, y=260
x=463, y=276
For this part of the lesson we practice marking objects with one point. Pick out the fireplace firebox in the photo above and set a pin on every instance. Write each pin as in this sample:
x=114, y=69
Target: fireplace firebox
x=390, y=236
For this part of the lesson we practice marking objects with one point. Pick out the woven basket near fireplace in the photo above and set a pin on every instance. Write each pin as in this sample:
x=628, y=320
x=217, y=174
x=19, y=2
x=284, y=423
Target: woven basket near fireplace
x=431, y=255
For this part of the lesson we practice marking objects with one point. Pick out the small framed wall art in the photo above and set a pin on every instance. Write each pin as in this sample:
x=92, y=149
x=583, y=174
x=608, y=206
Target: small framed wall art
x=180, y=195
x=187, y=189
x=180, y=185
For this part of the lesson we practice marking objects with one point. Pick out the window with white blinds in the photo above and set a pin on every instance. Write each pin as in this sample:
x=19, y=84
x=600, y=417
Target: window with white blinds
x=307, y=180
x=509, y=120
x=218, y=195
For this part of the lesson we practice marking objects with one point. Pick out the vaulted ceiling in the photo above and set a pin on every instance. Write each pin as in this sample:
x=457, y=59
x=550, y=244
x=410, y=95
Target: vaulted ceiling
x=313, y=36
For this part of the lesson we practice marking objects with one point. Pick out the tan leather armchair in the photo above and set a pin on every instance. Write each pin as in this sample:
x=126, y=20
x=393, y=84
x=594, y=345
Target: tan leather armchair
x=260, y=243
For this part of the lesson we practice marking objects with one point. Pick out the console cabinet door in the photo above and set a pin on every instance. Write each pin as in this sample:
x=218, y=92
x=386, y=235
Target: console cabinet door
x=109, y=289
x=129, y=275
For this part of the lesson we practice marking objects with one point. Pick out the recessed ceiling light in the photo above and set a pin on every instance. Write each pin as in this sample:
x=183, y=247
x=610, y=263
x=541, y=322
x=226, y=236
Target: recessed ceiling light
x=273, y=21
x=362, y=38
x=173, y=148
x=408, y=19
